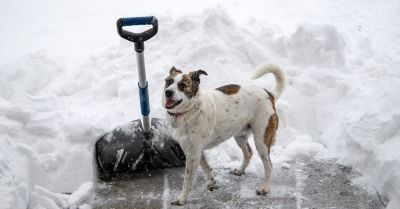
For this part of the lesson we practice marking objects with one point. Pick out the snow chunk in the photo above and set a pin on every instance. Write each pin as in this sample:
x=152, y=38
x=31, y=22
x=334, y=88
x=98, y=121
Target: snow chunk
x=319, y=45
x=304, y=147
x=43, y=198
x=84, y=193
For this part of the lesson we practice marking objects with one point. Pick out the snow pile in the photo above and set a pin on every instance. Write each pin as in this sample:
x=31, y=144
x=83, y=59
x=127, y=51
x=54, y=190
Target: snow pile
x=43, y=145
x=15, y=178
x=351, y=107
x=19, y=178
x=56, y=100
x=42, y=198
x=319, y=45
x=372, y=138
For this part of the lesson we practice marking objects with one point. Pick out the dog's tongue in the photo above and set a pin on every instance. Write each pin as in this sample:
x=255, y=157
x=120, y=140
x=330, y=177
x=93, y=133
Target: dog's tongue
x=169, y=103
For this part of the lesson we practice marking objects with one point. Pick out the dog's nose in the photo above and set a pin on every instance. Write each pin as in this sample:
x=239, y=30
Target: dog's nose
x=169, y=93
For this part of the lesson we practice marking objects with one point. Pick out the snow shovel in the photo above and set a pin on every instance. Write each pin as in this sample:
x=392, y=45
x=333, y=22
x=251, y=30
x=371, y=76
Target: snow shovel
x=141, y=144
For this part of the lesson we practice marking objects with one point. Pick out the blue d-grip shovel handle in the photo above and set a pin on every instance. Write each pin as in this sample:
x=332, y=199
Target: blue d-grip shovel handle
x=128, y=21
x=144, y=100
x=138, y=38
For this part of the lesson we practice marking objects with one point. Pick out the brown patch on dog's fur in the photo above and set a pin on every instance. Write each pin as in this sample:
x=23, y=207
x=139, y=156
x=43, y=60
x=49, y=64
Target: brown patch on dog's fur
x=187, y=86
x=229, y=89
x=190, y=82
x=270, y=131
x=272, y=99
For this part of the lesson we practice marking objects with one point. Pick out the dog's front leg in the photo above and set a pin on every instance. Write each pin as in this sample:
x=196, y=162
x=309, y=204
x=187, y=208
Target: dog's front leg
x=192, y=162
x=208, y=171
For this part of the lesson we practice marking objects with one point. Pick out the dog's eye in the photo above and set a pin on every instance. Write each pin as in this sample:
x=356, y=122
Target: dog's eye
x=181, y=86
x=169, y=82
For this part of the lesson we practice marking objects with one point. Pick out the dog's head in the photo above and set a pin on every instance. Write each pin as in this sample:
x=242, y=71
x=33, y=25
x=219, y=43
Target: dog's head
x=181, y=90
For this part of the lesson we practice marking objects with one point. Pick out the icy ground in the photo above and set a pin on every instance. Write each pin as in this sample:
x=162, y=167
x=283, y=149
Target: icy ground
x=66, y=78
x=315, y=184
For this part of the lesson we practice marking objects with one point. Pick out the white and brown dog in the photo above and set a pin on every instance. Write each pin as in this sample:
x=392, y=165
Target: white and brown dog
x=202, y=120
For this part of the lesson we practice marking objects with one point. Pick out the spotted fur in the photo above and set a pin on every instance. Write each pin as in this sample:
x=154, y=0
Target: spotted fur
x=188, y=86
x=229, y=89
x=270, y=131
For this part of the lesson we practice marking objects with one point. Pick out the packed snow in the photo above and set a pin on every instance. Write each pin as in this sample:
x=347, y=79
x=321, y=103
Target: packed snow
x=67, y=78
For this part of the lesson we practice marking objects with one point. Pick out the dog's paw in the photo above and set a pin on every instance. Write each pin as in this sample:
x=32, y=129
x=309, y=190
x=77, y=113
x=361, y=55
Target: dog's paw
x=179, y=202
x=262, y=191
x=237, y=172
x=212, y=185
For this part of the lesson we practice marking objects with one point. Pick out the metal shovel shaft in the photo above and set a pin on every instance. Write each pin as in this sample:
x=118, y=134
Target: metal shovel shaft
x=143, y=91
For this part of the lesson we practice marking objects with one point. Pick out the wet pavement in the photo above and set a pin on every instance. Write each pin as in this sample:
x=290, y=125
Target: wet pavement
x=316, y=184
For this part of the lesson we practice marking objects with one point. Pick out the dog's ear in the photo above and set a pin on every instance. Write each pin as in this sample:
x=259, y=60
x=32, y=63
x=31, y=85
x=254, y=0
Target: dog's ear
x=174, y=71
x=196, y=75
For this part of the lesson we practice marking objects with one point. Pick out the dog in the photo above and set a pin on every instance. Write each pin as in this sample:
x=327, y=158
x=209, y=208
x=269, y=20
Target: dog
x=202, y=120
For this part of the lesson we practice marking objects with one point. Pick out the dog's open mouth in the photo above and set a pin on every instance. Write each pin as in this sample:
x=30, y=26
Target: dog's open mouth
x=170, y=103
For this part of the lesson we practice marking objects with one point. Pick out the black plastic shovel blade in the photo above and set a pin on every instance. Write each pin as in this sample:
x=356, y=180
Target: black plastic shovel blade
x=127, y=149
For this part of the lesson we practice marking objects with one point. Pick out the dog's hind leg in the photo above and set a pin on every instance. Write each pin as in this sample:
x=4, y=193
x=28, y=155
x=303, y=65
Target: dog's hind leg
x=263, y=139
x=241, y=140
x=208, y=171
x=262, y=150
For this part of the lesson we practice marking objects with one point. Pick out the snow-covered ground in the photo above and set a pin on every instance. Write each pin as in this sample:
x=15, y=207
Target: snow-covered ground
x=66, y=78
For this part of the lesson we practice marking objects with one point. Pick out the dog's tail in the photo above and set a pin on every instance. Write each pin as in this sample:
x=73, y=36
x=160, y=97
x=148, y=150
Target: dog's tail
x=279, y=75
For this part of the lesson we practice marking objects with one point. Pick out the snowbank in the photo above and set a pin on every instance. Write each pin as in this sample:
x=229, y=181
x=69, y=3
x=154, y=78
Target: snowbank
x=57, y=99
x=43, y=198
x=15, y=176
x=372, y=139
